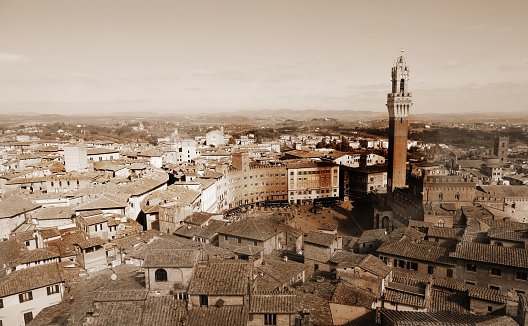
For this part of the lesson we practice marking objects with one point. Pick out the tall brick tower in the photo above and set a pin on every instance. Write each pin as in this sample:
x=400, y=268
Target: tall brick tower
x=500, y=148
x=399, y=102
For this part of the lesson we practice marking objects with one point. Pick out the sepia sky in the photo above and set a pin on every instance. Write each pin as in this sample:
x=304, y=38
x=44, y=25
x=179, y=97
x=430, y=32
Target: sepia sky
x=95, y=56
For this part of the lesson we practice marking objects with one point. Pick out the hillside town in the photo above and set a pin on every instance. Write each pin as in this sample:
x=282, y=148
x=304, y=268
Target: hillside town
x=214, y=224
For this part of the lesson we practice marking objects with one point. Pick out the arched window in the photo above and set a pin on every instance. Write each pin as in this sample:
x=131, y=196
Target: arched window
x=457, y=196
x=440, y=196
x=160, y=275
x=402, y=85
x=440, y=223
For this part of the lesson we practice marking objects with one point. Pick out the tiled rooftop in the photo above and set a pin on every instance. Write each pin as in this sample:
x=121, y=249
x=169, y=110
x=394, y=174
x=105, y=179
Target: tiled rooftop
x=30, y=278
x=320, y=239
x=171, y=258
x=277, y=303
x=218, y=316
x=424, y=251
x=515, y=257
x=221, y=277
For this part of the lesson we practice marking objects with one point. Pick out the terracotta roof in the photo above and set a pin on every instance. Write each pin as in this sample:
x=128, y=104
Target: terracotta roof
x=443, y=232
x=36, y=255
x=92, y=220
x=221, y=277
x=163, y=310
x=198, y=218
x=420, y=251
x=320, y=239
x=144, y=185
x=408, y=318
x=328, y=227
x=318, y=307
x=206, y=232
x=10, y=251
x=24, y=235
x=252, y=228
x=102, y=202
x=515, y=257
x=49, y=233
x=346, y=259
x=406, y=298
x=274, y=303
x=218, y=316
x=170, y=258
x=91, y=242
x=372, y=235
x=118, y=313
x=375, y=266
x=414, y=279
x=53, y=213
x=30, y=278
x=15, y=205
x=518, y=236
x=127, y=294
x=275, y=272
x=504, y=191
x=351, y=295
x=65, y=244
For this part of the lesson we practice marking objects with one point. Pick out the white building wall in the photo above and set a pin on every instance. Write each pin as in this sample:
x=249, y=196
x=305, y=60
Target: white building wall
x=13, y=311
x=75, y=158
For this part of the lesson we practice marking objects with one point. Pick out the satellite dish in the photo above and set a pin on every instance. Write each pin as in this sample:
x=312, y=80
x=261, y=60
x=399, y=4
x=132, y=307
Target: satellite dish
x=113, y=277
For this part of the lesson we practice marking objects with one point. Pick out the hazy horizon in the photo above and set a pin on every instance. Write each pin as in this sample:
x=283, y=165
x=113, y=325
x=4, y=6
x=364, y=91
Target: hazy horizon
x=98, y=56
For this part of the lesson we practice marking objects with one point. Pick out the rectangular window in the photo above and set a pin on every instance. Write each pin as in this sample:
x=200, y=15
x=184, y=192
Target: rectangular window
x=495, y=271
x=493, y=287
x=239, y=240
x=270, y=319
x=28, y=317
x=26, y=296
x=449, y=273
x=414, y=266
x=1, y=303
x=430, y=269
x=204, y=301
x=52, y=289
x=225, y=237
x=255, y=243
x=521, y=276
x=471, y=268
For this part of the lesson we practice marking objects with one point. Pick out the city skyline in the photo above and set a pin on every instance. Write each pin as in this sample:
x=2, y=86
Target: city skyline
x=110, y=56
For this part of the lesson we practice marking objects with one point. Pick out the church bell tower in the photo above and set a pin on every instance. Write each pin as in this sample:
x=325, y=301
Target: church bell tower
x=399, y=102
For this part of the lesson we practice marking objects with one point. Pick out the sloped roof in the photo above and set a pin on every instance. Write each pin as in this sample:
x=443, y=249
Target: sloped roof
x=375, y=266
x=320, y=239
x=171, y=258
x=30, y=278
x=103, y=202
x=272, y=303
x=36, y=255
x=252, y=228
x=505, y=191
x=351, y=295
x=218, y=316
x=91, y=242
x=53, y=213
x=15, y=205
x=420, y=251
x=408, y=318
x=444, y=232
x=221, y=277
x=507, y=256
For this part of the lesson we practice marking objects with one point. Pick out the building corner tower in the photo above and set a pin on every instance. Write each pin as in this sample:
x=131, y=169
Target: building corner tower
x=399, y=102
